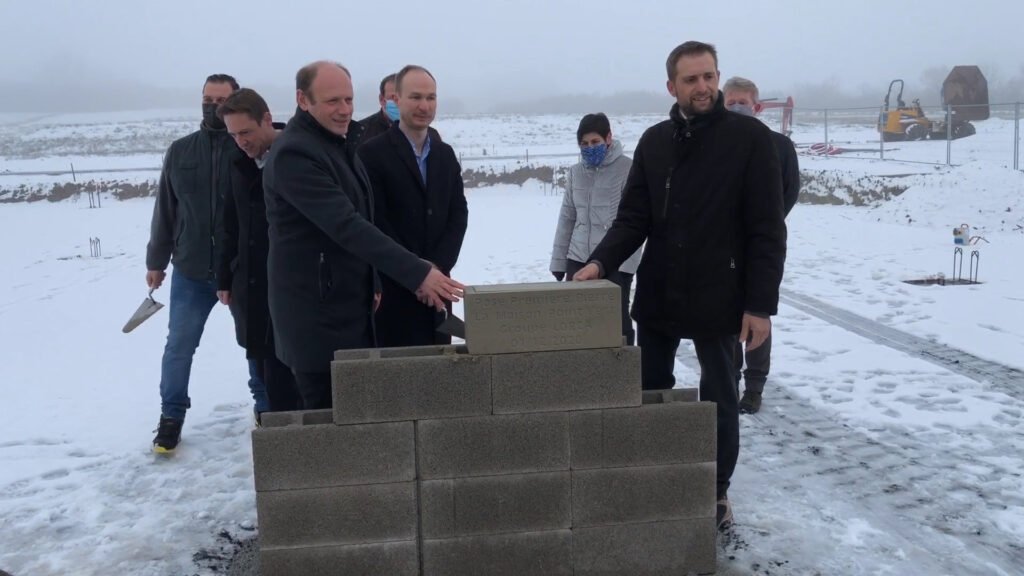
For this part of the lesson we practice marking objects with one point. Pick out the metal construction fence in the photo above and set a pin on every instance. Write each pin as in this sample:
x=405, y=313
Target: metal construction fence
x=934, y=140
x=826, y=132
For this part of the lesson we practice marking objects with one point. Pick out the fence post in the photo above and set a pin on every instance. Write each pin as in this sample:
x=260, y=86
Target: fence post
x=826, y=133
x=1016, y=136
x=949, y=134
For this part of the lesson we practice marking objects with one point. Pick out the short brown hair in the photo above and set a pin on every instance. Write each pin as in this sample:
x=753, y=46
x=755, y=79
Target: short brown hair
x=384, y=82
x=405, y=70
x=244, y=101
x=691, y=48
x=221, y=79
x=305, y=76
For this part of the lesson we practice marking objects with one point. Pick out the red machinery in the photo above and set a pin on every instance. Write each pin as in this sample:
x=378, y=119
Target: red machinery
x=787, y=112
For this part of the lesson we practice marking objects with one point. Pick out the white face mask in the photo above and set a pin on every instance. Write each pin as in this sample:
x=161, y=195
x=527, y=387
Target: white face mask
x=742, y=109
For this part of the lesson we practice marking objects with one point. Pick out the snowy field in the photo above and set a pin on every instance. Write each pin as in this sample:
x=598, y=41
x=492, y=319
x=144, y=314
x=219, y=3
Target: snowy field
x=864, y=459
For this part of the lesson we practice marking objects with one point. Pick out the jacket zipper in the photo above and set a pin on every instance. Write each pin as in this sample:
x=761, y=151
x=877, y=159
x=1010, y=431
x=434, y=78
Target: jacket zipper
x=668, y=189
x=213, y=202
x=668, y=182
x=323, y=286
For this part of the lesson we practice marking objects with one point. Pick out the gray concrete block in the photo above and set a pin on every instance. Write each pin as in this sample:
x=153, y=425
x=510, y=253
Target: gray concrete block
x=495, y=504
x=296, y=418
x=653, y=434
x=672, y=395
x=492, y=445
x=652, y=549
x=291, y=457
x=524, y=554
x=392, y=558
x=335, y=516
x=568, y=380
x=506, y=318
x=400, y=352
x=411, y=388
x=643, y=494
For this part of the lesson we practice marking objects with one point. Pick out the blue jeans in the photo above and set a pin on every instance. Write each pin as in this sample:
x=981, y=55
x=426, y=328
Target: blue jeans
x=191, y=302
x=258, y=386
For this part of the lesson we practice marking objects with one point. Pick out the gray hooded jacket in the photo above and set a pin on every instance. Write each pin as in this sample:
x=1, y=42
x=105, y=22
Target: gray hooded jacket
x=588, y=209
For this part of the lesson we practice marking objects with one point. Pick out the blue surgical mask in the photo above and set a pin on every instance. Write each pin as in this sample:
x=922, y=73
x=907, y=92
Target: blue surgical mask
x=391, y=109
x=594, y=155
x=742, y=109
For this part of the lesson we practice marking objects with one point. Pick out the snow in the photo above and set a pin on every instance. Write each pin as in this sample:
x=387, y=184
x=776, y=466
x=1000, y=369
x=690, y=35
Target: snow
x=864, y=459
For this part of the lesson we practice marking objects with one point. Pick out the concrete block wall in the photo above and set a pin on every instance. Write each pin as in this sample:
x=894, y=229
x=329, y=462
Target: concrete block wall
x=335, y=499
x=438, y=460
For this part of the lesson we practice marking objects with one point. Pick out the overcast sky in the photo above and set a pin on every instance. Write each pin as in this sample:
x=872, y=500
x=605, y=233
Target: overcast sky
x=484, y=52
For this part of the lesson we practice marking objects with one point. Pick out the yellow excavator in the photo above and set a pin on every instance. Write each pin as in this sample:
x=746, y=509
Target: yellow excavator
x=965, y=92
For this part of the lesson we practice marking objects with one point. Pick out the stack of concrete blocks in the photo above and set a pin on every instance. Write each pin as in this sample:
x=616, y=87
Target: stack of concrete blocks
x=529, y=451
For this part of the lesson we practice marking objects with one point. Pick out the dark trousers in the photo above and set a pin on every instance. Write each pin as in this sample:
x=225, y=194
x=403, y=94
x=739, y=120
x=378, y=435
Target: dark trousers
x=280, y=384
x=314, y=390
x=717, y=384
x=625, y=282
x=759, y=361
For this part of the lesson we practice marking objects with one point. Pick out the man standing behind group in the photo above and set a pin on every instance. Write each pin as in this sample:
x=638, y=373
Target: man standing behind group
x=380, y=121
x=324, y=249
x=192, y=185
x=419, y=201
x=242, y=270
x=705, y=192
x=741, y=96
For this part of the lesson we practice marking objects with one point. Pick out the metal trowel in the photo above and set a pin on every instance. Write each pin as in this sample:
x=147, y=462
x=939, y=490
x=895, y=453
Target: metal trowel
x=148, y=307
x=453, y=326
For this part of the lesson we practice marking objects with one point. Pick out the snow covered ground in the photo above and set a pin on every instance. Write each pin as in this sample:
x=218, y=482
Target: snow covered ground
x=864, y=460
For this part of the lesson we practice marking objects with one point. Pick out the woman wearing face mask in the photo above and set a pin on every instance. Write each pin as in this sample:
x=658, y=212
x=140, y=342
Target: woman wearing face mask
x=592, y=191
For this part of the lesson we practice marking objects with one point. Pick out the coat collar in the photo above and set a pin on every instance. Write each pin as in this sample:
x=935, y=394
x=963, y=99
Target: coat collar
x=307, y=122
x=404, y=150
x=697, y=121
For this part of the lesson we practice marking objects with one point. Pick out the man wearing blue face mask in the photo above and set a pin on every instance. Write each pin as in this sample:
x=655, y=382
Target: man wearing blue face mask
x=379, y=122
x=741, y=96
x=592, y=191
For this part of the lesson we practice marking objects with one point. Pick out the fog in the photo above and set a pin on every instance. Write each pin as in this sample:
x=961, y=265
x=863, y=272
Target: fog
x=499, y=56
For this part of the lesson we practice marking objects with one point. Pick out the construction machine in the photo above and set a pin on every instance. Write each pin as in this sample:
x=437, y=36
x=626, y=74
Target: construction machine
x=964, y=95
x=787, y=112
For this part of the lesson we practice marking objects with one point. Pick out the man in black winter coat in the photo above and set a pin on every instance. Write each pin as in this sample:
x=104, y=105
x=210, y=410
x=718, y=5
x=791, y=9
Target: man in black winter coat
x=705, y=192
x=419, y=201
x=325, y=251
x=742, y=96
x=192, y=186
x=242, y=267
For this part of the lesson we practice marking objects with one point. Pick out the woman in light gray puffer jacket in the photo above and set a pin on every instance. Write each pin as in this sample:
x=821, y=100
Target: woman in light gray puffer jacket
x=593, y=188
